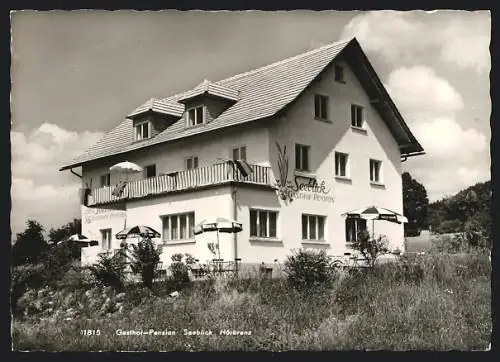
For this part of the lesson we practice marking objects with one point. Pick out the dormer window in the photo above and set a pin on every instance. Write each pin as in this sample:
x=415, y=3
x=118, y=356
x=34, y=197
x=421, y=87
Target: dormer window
x=195, y=116
x=142, y=131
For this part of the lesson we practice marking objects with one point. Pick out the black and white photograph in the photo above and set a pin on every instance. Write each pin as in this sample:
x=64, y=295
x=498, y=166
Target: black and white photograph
x=250, y=180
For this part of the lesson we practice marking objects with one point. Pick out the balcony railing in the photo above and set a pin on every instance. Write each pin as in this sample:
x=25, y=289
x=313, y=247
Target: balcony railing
x=180, y=181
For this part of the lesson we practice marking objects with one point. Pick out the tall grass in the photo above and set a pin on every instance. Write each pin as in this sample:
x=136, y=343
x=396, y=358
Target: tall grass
x=436, y=302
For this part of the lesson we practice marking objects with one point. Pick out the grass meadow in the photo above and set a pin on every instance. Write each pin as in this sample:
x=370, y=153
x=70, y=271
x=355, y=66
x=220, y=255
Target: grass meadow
x=433, y=302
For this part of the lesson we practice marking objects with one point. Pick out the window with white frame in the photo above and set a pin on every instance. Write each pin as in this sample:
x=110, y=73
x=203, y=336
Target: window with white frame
x=313, y=227
x=320, y=107
x=191, y=162
x=142, y=131
x=195, y=116
x=263, y=223
x=178, y=226
x=240, y=153
x=375, y=171
x=105, y=239
x=105, y=180
x=357, y=116
x=353, y=227
x=301, y=157
x=341, y=164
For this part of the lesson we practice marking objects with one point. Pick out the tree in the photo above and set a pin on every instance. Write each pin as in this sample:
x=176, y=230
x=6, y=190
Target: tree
x=72, y=227
x=415, y=205
x=30, y=245
x=71, y=249
x=370, y=248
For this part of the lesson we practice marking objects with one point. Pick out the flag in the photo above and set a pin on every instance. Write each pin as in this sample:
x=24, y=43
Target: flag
x=118, y=190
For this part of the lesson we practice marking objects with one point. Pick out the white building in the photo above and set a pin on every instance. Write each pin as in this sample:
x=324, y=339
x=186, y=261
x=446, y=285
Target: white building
x=327, y=107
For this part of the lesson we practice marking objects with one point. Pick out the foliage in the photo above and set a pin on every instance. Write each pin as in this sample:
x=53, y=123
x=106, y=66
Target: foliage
x=307, y=268
x=30, y=245
x=369, y=247
x=428, y=302
x=24, y=277
x=180, y=269
x=478, y=231
x=450, y=226
x=65, y=231
x=415, y=205
x=452, y=213
x=145, y=259
x=109, y=271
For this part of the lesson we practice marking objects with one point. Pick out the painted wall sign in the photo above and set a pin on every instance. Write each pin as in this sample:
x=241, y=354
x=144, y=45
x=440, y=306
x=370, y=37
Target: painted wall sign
x=92, y=214
x=303, y=187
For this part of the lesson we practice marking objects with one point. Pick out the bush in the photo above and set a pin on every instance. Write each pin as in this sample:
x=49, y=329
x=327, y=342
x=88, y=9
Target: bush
x=180, y=269
x=306, y=268
x=450, y=226
x=109, y=271
x=478, y=231
x=145, y=259
x=370, y=248
x=25, y=277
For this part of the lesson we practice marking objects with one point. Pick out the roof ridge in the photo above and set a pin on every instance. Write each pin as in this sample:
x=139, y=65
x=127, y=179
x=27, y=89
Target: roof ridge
x=282, y=61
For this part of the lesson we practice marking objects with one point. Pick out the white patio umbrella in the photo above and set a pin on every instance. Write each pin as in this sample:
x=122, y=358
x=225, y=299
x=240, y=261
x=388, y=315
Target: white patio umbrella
x=78, y=239
x=125, y=168
x=376, y=213
x=219, y=225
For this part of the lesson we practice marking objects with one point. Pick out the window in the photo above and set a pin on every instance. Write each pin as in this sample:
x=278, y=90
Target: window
x=240, y=153
x=191, y=162
x=352, y=228
x=105, y=239
x=142, y=131
x=340, y=164
x=105, y=180
x=320, y=107
x=301, y=157
x=356, y=116
x=263, y=223
x=339, y=74
x=375, y=171
x=178, y=226
x=313, y=227
x=150, y=171
x=195, y=116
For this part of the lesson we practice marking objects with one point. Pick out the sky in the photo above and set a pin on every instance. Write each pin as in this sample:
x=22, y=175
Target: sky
x=77, y=74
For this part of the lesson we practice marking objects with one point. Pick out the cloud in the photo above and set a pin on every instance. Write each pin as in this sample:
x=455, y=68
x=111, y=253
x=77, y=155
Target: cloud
x=457, y=38
x=38, y=189
x=418, y=89
x=456, y=156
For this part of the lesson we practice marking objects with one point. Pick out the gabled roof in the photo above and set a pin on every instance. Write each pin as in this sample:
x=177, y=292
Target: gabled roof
x=262, y=93
x=213, y=89
x=159, y=106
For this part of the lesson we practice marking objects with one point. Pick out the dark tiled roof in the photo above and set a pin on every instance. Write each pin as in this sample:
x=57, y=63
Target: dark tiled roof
x=261, y=93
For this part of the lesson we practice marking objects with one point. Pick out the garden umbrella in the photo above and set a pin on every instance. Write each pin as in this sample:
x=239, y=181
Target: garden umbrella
x=79, y=239
x=124, y=168
x=376, y=213
x=219, y=225
x=137, y=231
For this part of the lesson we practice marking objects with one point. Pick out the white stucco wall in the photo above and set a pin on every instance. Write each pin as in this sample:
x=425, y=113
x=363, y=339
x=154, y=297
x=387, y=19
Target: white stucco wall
x=324, y=139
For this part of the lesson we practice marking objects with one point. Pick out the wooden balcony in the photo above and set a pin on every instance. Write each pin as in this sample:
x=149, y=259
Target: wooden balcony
x=217, y=174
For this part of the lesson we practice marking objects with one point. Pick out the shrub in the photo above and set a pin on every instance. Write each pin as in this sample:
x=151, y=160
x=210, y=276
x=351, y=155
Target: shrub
x=450, y=226
x=109, y=271
x=370, y=248
x=306, y=268
x=180, y=269
x=25, y=277
x=145, y=261
x=448, y=243
x=478, y=231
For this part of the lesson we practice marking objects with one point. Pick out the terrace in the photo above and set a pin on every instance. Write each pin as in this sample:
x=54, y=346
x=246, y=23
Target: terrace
x=214, y=175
